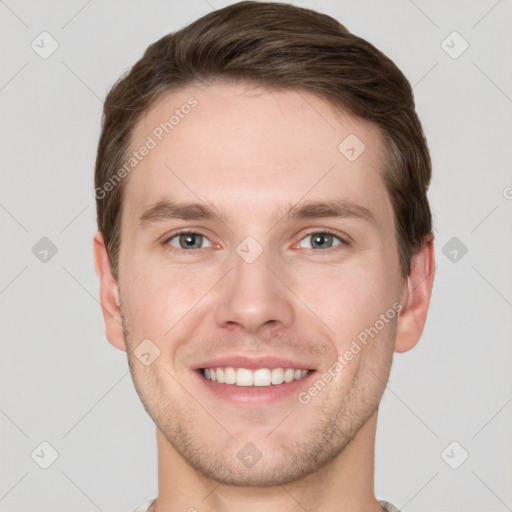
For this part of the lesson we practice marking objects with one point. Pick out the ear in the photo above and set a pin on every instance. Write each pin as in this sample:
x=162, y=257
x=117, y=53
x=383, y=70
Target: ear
x=415, y=300
x=109, y=294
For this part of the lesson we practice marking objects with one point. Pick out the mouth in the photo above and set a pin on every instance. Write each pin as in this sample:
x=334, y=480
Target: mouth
x=243, y=380
x=260, y=377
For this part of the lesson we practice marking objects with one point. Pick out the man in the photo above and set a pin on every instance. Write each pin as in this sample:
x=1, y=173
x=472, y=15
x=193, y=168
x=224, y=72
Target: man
x=264, y=247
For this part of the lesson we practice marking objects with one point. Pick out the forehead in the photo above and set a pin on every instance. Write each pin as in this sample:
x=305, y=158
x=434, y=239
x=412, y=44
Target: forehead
x=238, y=143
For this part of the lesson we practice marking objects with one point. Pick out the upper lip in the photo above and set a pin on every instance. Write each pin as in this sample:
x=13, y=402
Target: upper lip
x=253, y=363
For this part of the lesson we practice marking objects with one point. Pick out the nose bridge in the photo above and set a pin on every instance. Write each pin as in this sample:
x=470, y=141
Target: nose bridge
x=252, y=296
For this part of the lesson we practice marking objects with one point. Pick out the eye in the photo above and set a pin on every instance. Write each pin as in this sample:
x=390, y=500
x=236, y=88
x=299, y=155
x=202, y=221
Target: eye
x=188, y=240
x=321, y=240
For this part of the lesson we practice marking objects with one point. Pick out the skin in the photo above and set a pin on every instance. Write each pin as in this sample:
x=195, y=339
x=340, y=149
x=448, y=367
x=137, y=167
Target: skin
x=252, y=152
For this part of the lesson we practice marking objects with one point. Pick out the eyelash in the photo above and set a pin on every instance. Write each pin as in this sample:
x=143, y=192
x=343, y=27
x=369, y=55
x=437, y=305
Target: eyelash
x=343, y=241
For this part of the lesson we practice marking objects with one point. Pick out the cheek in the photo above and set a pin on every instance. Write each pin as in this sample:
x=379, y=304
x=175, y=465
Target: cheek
x=156, y=298
x=351, y=302
x=343, y=296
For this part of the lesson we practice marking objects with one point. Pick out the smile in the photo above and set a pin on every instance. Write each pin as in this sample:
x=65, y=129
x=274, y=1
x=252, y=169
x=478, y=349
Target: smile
x=259, y=377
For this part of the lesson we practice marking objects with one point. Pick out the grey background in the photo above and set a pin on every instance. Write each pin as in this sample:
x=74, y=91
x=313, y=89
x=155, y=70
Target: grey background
x=61, y=382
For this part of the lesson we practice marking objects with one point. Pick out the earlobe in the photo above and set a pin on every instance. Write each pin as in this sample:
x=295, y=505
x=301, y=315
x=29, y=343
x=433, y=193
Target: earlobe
x=109, y=294
x=416, y=293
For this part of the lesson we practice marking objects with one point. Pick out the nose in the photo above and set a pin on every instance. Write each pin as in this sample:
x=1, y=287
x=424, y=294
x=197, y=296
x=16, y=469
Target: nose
x=252, y=297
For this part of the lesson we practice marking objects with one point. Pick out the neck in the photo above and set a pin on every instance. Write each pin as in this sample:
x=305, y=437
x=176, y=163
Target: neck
x=346, y=484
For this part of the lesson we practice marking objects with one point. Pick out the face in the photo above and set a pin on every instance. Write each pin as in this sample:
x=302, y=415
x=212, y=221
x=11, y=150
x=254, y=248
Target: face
x=258, y=251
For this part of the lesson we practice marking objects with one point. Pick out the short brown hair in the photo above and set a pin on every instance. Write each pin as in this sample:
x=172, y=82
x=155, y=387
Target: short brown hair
x=280, y=46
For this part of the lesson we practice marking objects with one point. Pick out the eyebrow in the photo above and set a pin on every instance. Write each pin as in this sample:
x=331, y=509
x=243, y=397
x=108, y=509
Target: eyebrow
x=338, y=208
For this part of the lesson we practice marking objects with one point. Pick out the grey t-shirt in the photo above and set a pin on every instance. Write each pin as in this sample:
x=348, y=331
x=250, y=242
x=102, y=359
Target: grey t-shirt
x=144, y=507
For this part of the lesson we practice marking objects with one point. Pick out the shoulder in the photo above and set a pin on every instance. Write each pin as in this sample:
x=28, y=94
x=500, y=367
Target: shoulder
x=144, y=507
x=389, y=507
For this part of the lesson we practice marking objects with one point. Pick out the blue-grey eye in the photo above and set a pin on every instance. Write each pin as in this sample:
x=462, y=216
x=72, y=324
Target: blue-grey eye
x=321, y=240
x=188, y=241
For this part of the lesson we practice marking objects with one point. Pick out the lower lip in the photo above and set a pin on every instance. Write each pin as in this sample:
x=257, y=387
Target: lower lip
x=255, y=394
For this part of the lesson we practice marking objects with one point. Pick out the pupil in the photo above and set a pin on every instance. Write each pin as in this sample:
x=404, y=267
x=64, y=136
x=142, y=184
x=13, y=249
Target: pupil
x=190, y=240
x=321, y=240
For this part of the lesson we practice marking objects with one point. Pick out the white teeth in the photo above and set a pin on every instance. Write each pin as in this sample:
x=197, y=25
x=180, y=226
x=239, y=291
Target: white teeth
x=229, y=375
x=289, y=374
x=260, y=377
x=278, y=376
x=244, y=377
